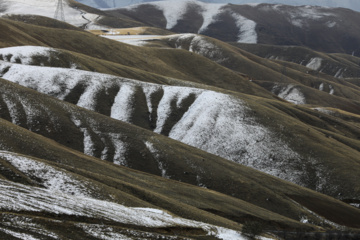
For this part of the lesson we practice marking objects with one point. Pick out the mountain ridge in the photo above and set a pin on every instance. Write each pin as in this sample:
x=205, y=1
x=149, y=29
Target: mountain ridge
x=325, y=3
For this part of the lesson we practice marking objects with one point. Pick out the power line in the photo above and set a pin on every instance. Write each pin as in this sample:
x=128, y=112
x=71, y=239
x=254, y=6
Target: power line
x=59, y=13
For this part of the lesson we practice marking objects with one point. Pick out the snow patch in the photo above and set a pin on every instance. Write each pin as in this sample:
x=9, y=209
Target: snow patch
x=18, y=197
x=331, y=24
x=51, y=178
x=24, y=54
x=221, y=125
x=199, y=45
x=122, y=108
x=291, y=94
x=172, y=10
x=247, y=29
x=315, y=63
x=156, y=155
x=136, y=40
x=21, y=223
x=120, y=149
x=18, y=235
x=339, y=73
x=209, y=13
x=89, y=146
x=324, y=110
x=301, y=15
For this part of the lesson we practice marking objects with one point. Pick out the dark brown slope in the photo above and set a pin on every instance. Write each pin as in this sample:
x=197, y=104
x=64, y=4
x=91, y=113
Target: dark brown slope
x=324, y=153
x=322, y=29
x=241, y=182
x=337, y=65
x=277, y=25
x=173, y=63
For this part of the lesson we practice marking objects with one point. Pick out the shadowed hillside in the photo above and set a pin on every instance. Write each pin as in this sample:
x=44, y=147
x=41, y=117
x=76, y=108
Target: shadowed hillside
x=322, y=29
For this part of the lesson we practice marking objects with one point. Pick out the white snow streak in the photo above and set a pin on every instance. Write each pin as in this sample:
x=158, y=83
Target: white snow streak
x=164, y=108
x=122, y=107
x=291, y=94
x=324, y=110
x=120, y=149
x=156, y=155
x=51, y=178
x=89, y=146
x=18, y=197
x=209, y=13
x=247, y=32
x=24, y=54
x=315, y=63
x=199, y=45
x=22, y=223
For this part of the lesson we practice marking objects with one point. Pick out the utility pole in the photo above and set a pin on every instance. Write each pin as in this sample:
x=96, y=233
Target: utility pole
x=59, y=13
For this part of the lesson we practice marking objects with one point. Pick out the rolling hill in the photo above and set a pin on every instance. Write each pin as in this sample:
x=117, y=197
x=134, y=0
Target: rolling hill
x=187, y=137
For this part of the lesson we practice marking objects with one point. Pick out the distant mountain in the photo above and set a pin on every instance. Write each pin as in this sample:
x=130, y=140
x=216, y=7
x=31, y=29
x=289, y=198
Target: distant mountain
x=351, y=4
x=322, y=29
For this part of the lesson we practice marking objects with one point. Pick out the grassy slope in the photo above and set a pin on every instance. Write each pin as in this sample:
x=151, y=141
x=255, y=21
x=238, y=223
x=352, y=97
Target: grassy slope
x=172, y=63
x=241, y=182
x=268, y=73
x=331, y=149
x=96, y=64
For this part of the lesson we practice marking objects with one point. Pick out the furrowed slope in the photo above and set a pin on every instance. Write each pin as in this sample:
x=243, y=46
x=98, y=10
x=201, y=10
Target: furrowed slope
x=234, y=127
x=292, y=82
x=158, y=155
x=337, y=65
x=160, y=108
x=309, y=26
x=173, y=63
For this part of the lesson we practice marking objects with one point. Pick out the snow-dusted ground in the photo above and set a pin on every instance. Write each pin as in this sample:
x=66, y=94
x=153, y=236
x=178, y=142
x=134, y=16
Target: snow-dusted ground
x=198, y=44
x=315, y=63
x=216, y=123
x=324, y=110
x=136, y=40
x=24, y=54
x=18, y=197
x=247, y=32
x=47, y=8
x=290, y=93
x=51, y=178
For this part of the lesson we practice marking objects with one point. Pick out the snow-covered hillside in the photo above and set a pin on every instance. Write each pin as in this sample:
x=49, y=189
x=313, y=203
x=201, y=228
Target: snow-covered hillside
x=47, y=8
x=211, y=121
x=351, y=4
x=67, y=198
